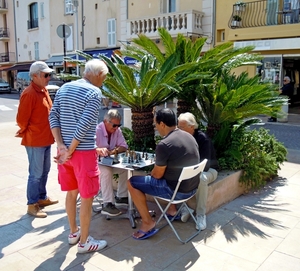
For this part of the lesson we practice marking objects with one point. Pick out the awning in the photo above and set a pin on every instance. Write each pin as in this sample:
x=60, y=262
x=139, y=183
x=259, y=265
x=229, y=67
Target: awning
x=57, y=60
x=19, y=67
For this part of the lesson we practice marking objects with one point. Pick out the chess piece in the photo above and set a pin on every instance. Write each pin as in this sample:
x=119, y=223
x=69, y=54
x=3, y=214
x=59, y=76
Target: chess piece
x=146, y=158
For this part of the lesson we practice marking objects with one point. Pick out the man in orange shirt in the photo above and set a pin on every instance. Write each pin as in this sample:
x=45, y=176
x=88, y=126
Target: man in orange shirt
x=32, y=118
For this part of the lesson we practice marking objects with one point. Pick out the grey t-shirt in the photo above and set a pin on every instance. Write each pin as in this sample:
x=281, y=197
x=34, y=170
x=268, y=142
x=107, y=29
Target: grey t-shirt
x=177, y=150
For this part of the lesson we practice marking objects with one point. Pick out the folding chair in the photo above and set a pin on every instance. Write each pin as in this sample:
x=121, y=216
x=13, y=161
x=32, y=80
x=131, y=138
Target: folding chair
x=186, y=173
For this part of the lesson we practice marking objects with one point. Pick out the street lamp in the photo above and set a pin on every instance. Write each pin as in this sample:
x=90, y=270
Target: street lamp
x=75, y=5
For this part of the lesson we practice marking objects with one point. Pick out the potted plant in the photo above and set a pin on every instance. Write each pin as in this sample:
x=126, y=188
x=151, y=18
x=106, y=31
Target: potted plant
x=239, y=6
x=236, y=20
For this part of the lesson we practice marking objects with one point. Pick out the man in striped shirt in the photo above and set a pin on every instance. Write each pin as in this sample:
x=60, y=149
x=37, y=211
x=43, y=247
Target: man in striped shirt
x=73, y=119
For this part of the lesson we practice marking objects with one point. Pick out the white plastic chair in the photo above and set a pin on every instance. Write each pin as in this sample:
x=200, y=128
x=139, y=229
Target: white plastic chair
x=186, y=173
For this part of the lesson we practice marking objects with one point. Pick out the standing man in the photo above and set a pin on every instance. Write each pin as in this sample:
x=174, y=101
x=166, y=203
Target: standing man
x=176, y=150
x=32, y=118
x=187, y=122
x=288, y=90
x=73, y=121
x=110, y=141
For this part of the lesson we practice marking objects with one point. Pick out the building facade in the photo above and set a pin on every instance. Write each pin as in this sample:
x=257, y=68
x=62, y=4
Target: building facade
x=273, y=27
x=50, y=30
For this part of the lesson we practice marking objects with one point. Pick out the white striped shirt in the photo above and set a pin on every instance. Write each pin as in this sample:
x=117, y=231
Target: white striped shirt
x=75, y=111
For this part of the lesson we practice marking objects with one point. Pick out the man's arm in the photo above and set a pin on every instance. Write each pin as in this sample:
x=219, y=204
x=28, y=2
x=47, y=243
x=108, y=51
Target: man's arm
x=158, y=171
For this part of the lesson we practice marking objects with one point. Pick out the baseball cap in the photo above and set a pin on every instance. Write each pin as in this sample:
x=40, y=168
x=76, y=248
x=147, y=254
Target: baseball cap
x=39, y=66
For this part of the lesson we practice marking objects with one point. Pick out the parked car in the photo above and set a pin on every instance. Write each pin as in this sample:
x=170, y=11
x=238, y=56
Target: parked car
x=23, y=80
x=53, y=85
x=4, y=86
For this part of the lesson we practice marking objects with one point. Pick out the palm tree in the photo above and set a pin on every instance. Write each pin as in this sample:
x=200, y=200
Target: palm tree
x=210, y=63
x=142, y=88
x=235, y=100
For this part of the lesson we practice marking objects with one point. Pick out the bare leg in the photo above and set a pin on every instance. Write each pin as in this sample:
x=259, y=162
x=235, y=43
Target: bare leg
x=85, y=218
x=172, y=210
x=71, y=199
x=139, y=199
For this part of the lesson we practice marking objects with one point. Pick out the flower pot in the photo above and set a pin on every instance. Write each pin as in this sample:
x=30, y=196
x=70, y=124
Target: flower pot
x=239, y=8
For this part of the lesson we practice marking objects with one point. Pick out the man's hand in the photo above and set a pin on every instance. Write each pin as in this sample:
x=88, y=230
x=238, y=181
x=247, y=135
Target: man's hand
x=63, y=155
x=103, y=152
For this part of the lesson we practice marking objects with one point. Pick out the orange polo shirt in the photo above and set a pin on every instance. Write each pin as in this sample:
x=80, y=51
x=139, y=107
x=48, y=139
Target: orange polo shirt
x=32, y=117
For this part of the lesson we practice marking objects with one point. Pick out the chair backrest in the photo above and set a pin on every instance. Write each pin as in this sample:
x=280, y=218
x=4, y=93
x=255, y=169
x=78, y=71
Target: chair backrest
x=191, y=171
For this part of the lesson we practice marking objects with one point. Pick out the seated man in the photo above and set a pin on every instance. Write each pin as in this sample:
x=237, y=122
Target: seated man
x=176, y=150
x=110, y=140
x=187, y=122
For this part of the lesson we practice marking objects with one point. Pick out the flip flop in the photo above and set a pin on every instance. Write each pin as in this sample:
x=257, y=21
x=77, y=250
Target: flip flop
x=146, y=234
x=178, y=217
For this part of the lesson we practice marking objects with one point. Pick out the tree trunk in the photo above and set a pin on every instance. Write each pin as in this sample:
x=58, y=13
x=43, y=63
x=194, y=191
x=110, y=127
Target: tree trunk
x=142, y=127
x=183, y=107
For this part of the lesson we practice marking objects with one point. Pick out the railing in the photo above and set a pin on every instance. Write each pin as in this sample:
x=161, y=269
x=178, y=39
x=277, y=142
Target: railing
x=177, y=22
x=4, y=33
x=33, y=23
x=263, y=13
x=7, y=57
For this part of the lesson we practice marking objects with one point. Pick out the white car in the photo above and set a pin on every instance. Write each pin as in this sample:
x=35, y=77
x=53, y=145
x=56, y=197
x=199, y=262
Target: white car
x=52, y=90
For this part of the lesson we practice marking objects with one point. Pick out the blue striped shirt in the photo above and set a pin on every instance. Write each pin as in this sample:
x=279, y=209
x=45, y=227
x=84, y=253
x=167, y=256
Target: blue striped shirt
x=75, y=111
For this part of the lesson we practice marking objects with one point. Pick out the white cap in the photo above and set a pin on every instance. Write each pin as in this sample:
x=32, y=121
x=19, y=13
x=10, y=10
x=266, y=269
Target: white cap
x=39, y=66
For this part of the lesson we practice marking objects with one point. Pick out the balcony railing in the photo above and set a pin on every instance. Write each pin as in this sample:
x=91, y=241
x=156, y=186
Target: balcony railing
x=263, y=13
x=177, y=22
x=4, y=33
x=33, y=23
x=7, y=57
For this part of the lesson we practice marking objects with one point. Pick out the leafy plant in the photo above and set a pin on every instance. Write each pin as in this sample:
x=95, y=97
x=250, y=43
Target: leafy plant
x=240, y=3
x=256, y=152
x=236, y=18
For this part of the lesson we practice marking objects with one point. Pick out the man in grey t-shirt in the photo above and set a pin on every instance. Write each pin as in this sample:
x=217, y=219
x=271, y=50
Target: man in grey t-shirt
x=176, y=150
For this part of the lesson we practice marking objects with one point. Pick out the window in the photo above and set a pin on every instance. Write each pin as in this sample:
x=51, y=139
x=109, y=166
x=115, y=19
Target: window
x=69, y=41
x=168, y=6
x=42, y=10
x=36, y=51
x=69, y=7
x=111, y=32
x=33, y=21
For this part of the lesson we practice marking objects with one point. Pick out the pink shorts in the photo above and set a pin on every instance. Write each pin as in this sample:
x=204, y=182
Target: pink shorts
x=80, y=172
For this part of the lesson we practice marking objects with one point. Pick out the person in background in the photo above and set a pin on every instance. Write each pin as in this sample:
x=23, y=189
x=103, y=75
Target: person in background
x=110, y=141
x=187, y=122
x=73, y=121
x=287, y=90
x=176, y=150
x=32, y=118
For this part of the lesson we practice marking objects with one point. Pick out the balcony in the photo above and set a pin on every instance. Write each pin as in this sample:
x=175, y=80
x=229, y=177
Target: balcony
x=9, y=57
x=4, y=33
x=177, y=22
x=263, y=13
x=32, y=23
x=3, y=6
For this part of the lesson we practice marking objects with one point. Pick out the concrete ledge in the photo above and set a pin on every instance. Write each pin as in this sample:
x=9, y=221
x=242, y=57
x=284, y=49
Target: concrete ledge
x=223, y=190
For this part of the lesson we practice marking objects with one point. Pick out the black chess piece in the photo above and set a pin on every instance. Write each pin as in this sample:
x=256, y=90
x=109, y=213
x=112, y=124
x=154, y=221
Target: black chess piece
x=146, y=158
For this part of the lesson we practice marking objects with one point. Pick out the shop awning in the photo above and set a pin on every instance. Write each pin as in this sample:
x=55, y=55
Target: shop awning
x=58, y=60
x=19, y=67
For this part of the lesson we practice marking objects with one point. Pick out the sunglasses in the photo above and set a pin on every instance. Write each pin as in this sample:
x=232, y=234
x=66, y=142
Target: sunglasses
x=115, y=125
x=46, y=75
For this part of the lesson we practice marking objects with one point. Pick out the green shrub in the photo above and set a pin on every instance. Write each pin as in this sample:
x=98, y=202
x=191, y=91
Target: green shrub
x=257, y=153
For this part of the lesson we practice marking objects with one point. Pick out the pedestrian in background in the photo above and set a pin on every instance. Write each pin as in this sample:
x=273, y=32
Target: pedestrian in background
x=32, y=118
x=73, y=121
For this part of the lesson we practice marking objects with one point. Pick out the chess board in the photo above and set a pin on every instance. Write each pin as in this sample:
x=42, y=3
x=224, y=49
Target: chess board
x=129, y=160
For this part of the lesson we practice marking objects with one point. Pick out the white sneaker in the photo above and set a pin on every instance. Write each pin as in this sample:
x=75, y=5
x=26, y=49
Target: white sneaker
x=74, y=237
x=201, y=222
x=185, y=215
x=91, y=245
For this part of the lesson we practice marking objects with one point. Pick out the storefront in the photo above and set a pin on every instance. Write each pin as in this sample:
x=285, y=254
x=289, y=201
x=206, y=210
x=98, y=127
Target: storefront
x=281, y=58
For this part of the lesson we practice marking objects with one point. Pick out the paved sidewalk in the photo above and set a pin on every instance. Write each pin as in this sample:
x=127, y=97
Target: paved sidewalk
x=257, y=231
